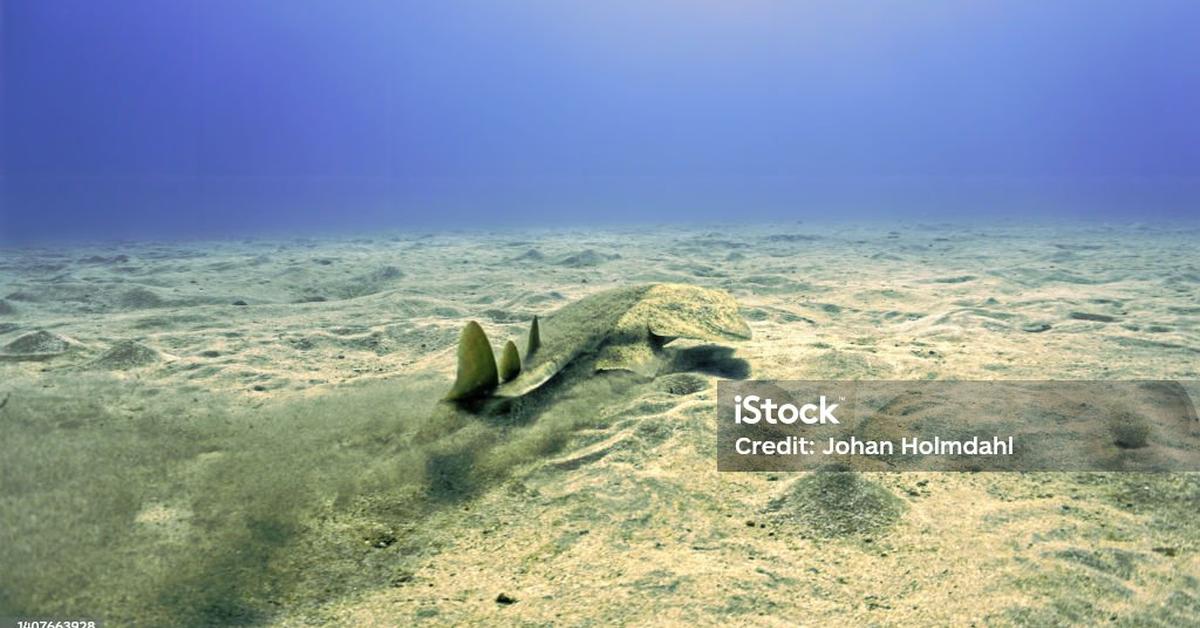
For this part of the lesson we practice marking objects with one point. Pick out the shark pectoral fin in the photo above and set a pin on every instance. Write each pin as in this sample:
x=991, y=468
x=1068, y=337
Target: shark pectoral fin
x=639, y=358
x=477, y=375
x=681, y=311
x=657, y=341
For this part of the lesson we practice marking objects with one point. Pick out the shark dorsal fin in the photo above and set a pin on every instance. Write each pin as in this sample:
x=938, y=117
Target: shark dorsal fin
x=477, y=374
x=510, y=362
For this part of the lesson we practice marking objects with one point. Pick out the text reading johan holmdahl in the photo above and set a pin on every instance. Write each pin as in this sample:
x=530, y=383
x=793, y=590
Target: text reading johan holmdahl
x=751, y=409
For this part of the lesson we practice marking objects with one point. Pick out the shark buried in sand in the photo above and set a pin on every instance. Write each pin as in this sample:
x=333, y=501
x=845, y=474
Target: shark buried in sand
x=621, y=328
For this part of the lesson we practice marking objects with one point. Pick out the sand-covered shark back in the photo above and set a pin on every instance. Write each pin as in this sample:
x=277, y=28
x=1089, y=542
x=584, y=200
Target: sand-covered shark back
x=625, y=325
x=672, y=310
x=575, y=329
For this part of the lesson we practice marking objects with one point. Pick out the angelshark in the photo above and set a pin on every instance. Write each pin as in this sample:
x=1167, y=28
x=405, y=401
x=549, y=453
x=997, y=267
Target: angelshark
x=620, y=328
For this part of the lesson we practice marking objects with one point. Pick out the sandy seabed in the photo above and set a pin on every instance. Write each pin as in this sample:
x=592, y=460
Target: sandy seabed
x=625, y=519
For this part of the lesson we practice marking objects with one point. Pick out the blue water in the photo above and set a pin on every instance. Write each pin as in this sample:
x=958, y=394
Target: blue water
x=222, y=117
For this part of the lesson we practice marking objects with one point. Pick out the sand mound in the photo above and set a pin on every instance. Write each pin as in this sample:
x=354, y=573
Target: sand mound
x=139, y=298
x=585, y=259
x=837, y=503
x=100, y=259
x=386, y=273
x=1092, y=316
x=22, y=295
x=681, y=383
x=322, y=288
x=127, y=354
x=532, y=255
x=36, y=345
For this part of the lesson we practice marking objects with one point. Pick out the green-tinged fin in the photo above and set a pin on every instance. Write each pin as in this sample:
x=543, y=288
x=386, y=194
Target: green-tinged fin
x=477, y=374
x=535, y=338
x=510, y=361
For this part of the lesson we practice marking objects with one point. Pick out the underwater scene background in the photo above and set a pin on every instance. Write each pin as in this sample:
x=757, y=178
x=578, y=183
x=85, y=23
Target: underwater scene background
x=239, y=245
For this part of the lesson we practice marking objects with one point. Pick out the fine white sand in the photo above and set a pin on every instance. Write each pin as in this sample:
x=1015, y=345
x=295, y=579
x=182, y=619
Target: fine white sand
x=629, y=521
